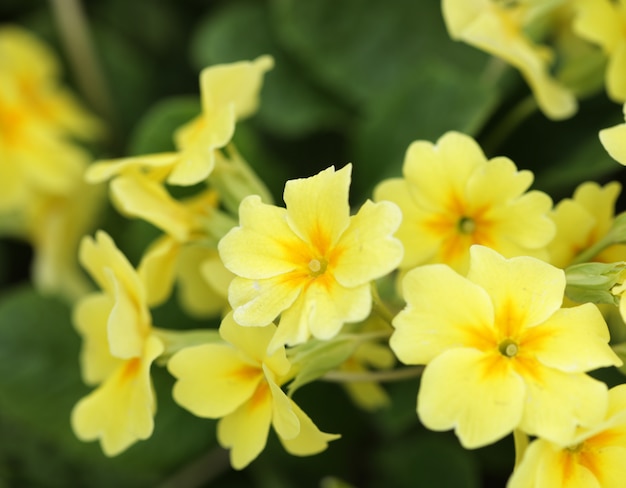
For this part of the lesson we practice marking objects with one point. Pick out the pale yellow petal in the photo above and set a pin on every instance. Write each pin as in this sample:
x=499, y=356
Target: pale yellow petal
x=259, y=302
x=293, y=326
x=477, y=394
x=284, y=419
x=616, y=72
x=238, y=84
x=541, y=467
x=614, y=141
x=157, y=269
x=140, y=196
x=532, y=291
x=608, y=465
x=437, y=174
x=557, y=402
x=597, y=21
x=429, y=325
x=600, y=202
x=310, y=440
x=573, y=227
x=106, y=169
x=197, y=297
x=317, y=207
x=496, y=183
x=245, y=430
x=90, y=318
x=367, y=249
x=263, y=245
x=212, y=379
x=120, y=412
x=217, y=276
x=573, y=340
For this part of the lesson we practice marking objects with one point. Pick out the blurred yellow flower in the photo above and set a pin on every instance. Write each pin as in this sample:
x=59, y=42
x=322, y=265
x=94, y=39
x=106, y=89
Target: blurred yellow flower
x=614, y=141
x=118, y=349
x=505, y=347
x=240, y=383
x=451, y=197
x=603, y=22
x=311, y=263
x=501, y=29
x=594, y=458
x=583, y=221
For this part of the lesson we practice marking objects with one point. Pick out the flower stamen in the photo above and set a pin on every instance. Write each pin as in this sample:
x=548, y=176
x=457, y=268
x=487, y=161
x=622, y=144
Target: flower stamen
x=508, y=348
x=466, y=225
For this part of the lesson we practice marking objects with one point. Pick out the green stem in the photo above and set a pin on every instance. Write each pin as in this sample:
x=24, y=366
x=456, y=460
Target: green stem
x=379, y=308
x=615, y=235
x=377, y=376
x=521, y=443
x=74, y=32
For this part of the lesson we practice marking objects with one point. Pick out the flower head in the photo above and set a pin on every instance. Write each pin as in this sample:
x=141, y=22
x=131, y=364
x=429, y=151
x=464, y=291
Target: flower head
x=614, y=141
x=311, y=263
x=452, y=197
x=239, y=382
x=595, y=457
x=506, y=348
x=118, y=350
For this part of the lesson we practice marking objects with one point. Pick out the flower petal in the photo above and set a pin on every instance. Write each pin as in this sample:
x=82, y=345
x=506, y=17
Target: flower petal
x=477, y=394
x=310, y=440
x=429, y=325
x=213, y=380
x=614, y=141
x=367, y=250
x=157, y=269
x=245, y=430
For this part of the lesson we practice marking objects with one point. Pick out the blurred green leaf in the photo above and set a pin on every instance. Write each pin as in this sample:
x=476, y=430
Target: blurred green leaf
x=291, y=105
x=155, y=131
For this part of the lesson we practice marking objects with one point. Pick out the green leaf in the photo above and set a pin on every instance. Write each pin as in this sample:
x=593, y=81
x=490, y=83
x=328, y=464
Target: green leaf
x=291, y=105
x=155, y=131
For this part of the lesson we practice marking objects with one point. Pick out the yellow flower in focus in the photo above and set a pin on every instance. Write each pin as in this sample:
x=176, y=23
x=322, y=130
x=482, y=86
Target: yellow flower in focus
x=311, y=263
x=603, y=22
x=614, y=141
x=501, y=29
x=118, y=349
x=595, y=458
x=505, y=347
x=240, y=383
x=452, y=197
x=583, y=221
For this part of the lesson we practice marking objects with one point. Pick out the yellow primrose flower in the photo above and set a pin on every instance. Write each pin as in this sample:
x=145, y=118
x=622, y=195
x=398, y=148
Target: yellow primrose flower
x=603, y=22
x=311, y=263
x=584, y=220
x=240, y=383
x=506, y=348
x=451, y=197
x=595, y=458
x=500, y=28
x=118, y=350
x=614, y=141
x=37, y=121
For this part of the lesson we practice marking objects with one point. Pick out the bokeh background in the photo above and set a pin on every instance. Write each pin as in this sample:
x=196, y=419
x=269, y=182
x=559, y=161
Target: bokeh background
x=355, y=81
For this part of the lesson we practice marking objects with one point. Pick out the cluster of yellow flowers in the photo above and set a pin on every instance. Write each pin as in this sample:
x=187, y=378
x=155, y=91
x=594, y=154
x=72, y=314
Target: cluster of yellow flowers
x=489, y=271
x=41, y=174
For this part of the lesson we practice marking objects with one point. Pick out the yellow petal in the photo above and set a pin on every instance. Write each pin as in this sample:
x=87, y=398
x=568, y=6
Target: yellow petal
x=140, y=196
x=90, y=318
x=573, y=227
x=274, y=242
x=121, y=410
x=106, y=169
x=616, y=72
x=157, y=269
x=477, y=394
x=598, y=22
x=284, y=419
x=429, y=325
x=213, y=380
x=259, y=302
x=245, y=430
x=614, y=141
x=497, y=182
x=607, y=465
x=366, y=249
x=310, y=440
x=532, y=291
x=557, y=402
x=573, y=340
x=317, y=207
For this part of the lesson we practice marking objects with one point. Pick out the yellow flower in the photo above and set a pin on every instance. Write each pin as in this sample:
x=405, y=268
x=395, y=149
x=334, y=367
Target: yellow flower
x=595, y=458
x=499, y=341
x=500, y=28
x=118, y=350
x=240, y=383
x=614, y=141
x=584, y=220
x=603, y=22
x=451, y=197
x=310, y=263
